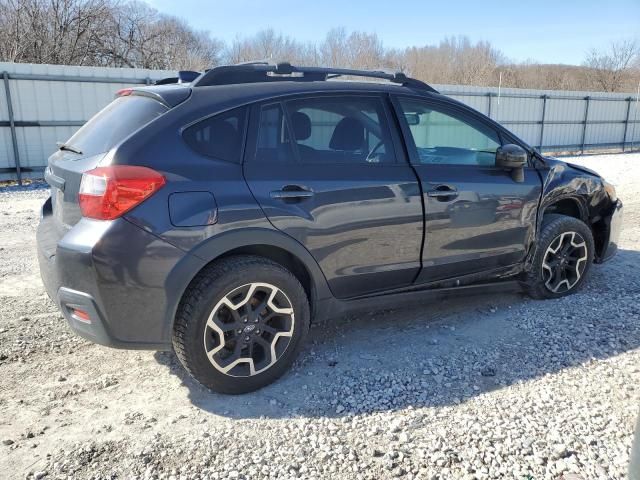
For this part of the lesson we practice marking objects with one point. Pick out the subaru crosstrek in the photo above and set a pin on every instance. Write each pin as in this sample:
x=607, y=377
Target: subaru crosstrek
x=220, y=215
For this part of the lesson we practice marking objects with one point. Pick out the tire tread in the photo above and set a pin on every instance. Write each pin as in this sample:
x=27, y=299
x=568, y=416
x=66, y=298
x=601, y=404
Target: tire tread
x=552, y=225
x=195, y=294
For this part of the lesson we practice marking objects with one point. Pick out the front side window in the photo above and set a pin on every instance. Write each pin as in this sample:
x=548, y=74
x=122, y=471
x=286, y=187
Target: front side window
x=442, y=138
x=219, y=136
x=340, y=130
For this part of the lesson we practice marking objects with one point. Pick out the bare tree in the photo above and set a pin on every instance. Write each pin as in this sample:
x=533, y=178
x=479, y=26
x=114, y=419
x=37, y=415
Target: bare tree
x=101, y=32
x=610, y=69
x=268, y=45
x=54, y=31
x=130, y=33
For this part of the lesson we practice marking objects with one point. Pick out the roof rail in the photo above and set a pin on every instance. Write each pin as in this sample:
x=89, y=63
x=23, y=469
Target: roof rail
x=254, y=72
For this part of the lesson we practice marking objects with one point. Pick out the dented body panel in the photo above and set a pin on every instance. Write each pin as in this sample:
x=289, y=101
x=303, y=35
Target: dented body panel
x=565, y=184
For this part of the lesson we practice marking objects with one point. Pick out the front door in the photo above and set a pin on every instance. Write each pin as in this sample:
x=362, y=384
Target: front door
x=329, y=172
x=477, y=218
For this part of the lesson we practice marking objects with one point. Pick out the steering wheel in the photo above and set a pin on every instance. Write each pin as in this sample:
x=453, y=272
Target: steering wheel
x=372, y=151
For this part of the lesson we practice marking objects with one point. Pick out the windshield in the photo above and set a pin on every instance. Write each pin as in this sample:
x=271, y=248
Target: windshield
x=114, y=123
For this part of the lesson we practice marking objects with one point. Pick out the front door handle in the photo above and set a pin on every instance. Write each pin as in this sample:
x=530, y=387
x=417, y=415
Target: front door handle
x=443, y=191
x=292, y=192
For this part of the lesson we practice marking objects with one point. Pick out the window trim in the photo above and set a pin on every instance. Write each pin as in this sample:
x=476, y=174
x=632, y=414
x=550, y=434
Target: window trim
x=445, y=108
x=395, y=137
x=251, y=147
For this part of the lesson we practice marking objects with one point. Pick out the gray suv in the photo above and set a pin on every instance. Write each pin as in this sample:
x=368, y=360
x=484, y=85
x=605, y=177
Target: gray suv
x=218, y=214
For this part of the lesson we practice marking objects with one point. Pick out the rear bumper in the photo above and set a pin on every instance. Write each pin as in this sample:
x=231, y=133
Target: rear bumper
x=92, y=328
x=613, y=226
x=118, y=274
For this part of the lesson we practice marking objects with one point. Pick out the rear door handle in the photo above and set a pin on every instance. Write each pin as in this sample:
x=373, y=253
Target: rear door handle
x=443, y=191
x=292, y=192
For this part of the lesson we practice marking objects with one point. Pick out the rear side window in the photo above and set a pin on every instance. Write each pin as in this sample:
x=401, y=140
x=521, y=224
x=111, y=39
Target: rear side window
x=115, y=122
x=219, y=136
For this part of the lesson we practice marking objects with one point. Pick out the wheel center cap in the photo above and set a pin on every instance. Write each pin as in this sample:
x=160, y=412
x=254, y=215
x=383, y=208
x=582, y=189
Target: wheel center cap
x=249, y=328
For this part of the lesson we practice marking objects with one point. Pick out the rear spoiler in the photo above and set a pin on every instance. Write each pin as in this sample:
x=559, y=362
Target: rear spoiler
x=169, y=95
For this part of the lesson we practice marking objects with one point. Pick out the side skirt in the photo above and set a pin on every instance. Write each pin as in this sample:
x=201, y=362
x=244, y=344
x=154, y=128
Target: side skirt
x=506, y=281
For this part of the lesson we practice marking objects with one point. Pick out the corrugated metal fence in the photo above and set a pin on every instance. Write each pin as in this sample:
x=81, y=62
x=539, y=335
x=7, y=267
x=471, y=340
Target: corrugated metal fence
x=554, y=120
x=42, y=104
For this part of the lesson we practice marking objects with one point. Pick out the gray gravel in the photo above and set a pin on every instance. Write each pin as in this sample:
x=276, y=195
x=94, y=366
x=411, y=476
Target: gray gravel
x=489, y=386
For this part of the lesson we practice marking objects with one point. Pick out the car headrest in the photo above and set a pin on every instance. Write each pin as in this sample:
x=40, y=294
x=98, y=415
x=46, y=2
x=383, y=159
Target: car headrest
x=347, y=135
x=301, y=124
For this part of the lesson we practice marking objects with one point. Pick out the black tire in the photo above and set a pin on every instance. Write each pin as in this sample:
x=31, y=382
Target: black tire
x=553, y=226
x=210, y=287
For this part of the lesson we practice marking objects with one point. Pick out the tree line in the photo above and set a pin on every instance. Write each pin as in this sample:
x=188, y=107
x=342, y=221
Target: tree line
x=120, y=33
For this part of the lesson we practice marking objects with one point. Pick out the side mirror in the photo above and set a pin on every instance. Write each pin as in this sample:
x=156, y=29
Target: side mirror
x=512, y=157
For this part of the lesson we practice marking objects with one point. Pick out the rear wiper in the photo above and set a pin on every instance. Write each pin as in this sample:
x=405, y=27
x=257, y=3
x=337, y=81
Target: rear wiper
x=70, y=148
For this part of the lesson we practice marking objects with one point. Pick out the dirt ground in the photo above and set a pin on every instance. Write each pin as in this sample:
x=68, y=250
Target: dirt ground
x=486, y=386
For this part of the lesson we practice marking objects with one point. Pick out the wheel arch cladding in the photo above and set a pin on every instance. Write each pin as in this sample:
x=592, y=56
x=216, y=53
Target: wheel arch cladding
x=576, y=208
x=266, y=243
x=564, y=183
x=569, y=206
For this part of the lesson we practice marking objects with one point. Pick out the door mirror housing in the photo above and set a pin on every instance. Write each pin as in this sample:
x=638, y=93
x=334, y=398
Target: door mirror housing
x=514, y=158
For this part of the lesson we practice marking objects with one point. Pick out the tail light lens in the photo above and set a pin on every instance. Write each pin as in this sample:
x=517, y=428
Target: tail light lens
x=108, y=192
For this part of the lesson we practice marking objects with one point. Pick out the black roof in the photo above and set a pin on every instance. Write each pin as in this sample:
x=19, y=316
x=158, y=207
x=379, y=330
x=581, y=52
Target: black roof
x=221, y=97
x=239, y=94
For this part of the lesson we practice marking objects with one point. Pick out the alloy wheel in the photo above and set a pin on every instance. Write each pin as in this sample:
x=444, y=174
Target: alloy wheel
x=564, y=262
x=249, y=329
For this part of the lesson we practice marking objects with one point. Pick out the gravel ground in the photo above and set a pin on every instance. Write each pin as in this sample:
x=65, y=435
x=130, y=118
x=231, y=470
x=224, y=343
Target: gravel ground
x=487, y=386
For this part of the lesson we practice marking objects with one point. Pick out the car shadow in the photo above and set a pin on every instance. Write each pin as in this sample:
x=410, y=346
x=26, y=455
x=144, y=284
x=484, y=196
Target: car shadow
x=444, y=352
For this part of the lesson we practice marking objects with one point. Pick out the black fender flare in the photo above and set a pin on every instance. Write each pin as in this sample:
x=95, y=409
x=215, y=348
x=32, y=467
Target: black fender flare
x=209, y=250
x=551, y=200
x=544, y=204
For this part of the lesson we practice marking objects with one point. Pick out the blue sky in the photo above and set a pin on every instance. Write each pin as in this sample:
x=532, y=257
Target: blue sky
x=559, y=31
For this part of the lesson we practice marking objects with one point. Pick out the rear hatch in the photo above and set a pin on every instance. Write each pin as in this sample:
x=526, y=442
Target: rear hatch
x=88, y=146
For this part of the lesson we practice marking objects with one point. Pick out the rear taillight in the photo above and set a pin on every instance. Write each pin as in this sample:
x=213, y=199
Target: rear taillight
x=108, y=192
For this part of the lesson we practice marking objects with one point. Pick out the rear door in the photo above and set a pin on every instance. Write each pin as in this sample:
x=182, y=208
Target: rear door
x=330, y=172
x=477, y=218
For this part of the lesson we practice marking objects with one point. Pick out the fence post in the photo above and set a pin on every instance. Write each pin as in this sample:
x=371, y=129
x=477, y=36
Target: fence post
x=544, y=110
x=12, y=124
x=626, y=124
x=489, y=104
x=584, y=126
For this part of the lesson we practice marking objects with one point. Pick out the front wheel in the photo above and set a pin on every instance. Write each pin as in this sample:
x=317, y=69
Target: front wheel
x=241, y=324
x=564, y=253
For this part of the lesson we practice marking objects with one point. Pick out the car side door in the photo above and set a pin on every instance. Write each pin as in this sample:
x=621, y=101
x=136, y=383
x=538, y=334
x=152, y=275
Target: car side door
x=329, y=171
x=477, y=218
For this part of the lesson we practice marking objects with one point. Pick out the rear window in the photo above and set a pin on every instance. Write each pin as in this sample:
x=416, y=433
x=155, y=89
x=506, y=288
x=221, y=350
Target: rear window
x=114, y=123
x=219, y=136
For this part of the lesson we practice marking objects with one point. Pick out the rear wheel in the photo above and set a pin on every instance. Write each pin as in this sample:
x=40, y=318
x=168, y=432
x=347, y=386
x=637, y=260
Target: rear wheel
x=563, y=256
x=241, y=324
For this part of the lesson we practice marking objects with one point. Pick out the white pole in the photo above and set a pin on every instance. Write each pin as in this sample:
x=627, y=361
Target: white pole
x=635, y=117
x=499, y=91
